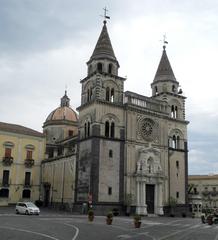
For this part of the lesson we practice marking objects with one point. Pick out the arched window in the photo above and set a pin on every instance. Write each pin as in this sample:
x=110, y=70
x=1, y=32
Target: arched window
x=172, y=111
x=107, y=126
x=88, y=131
x=112, y=95
x=99, y=67
x=174, y=142
x=156, y=90
x=85, y=129
x=110, y=67
x=176, y=112
x=112, y=130
x=108, y=94
x=88, y=95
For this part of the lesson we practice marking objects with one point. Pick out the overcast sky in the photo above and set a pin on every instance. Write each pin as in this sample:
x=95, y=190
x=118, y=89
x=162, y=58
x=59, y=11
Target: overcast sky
x=45, y=44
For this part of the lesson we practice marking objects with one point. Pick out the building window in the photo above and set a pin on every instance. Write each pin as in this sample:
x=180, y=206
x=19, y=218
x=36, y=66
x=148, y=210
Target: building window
x=177, y=194
x=107, y=126
x=5, y=179
x=88, y=130
x=110, y=153
x=173, y=88
x=85, y=128
x=112, y=95
x=70, y=133
x=174, y=111
x=29, y=154
x=112, y=130
x=177, y=164
x=156, y=90
x=27, y=178
x=7, y=152
x=108, y=94
x=109, y=190
x=26, y=193
x=110, y=67
x=4, y=193
x=99, y=67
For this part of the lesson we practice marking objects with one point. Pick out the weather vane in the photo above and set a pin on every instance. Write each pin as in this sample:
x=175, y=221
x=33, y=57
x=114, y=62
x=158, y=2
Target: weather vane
x=164, y=41
x=105, y=16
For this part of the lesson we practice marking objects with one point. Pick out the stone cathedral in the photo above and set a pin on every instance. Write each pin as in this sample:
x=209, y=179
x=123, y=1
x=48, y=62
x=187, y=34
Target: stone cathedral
x=132, y=149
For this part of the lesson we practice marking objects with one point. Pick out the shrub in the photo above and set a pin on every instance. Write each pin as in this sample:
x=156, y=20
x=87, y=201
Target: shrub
x=110, y=215
x=91, y=212
x=137, y=217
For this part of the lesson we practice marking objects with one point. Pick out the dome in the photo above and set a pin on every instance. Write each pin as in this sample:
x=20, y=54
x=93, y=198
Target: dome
x=63, y=113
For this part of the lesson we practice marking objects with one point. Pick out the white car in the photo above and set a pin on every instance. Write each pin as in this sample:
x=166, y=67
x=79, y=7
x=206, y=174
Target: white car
x=27, y=208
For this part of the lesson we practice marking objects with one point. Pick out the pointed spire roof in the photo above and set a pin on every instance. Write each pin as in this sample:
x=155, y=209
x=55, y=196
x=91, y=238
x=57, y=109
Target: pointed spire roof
x=103, y=48
x=164, y=70
x=65, y=101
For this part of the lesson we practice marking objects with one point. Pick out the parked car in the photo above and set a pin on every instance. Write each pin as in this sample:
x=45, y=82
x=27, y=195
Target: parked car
x=27, y=208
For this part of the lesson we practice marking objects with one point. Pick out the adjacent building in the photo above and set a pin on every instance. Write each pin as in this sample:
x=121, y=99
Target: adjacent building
x=204, y=189
x=21, y=151
x=59, y=167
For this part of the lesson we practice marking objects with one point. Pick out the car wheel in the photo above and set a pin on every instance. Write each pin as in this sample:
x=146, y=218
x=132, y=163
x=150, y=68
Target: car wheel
x=17, y=212
x=27, y=213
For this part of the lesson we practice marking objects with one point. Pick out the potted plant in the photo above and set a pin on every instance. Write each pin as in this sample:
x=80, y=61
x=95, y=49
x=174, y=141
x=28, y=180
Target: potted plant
x=172, y=205
x=210, y=219
x=91, y=215
x=109, y=218
x=137, y=221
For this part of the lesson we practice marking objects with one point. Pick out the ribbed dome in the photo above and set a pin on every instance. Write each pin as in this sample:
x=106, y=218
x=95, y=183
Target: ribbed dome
x=63, y=113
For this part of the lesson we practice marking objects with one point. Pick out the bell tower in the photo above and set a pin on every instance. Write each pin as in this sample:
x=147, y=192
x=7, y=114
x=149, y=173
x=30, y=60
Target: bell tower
x=101, y=130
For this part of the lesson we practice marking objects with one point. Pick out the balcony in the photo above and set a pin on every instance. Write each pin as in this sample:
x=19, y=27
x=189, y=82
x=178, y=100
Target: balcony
x=7, y=161
x=5, y=183
x=27, y=185
x=29, y=163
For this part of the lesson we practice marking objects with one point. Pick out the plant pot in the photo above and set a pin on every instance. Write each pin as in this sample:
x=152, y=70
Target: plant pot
x=91, y=218
x=137, y=224
x=209, y=220
x=109, y=221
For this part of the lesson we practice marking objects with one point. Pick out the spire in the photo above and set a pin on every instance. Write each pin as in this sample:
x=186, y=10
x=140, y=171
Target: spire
x=164, y=70
x=65, y=101
x=103, y=48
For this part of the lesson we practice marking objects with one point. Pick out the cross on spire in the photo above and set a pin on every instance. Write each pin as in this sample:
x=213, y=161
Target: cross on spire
x=105, y=16
x=164, y=41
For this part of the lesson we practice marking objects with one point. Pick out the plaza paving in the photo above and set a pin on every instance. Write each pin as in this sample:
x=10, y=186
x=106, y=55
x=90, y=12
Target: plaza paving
x=59, y=225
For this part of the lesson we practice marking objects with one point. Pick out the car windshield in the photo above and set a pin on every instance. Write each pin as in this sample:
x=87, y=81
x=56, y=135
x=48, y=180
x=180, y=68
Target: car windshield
x=30, y=205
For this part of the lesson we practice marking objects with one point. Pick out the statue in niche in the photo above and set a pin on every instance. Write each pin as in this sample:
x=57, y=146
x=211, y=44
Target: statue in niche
x=149, y=161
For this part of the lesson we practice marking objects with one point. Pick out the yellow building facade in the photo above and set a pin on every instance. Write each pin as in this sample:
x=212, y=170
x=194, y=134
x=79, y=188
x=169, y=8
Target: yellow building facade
x=21, y=152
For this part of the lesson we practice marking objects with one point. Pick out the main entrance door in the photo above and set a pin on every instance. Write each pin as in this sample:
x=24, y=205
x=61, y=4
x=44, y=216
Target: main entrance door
x=150, y=198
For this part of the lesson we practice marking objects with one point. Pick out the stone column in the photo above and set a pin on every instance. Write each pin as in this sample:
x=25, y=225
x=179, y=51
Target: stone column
x=160, y=198
x=138, y=197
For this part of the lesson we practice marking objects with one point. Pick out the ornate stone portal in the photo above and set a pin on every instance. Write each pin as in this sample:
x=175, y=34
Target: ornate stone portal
x=149, y=182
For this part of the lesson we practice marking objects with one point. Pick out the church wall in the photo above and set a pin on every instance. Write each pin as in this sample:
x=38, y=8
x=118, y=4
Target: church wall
x=84, y=168
x=109, y=171
x=60, y=175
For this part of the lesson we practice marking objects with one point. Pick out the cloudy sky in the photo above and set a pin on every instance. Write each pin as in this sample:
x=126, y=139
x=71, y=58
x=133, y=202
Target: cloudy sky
x=45, y=44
